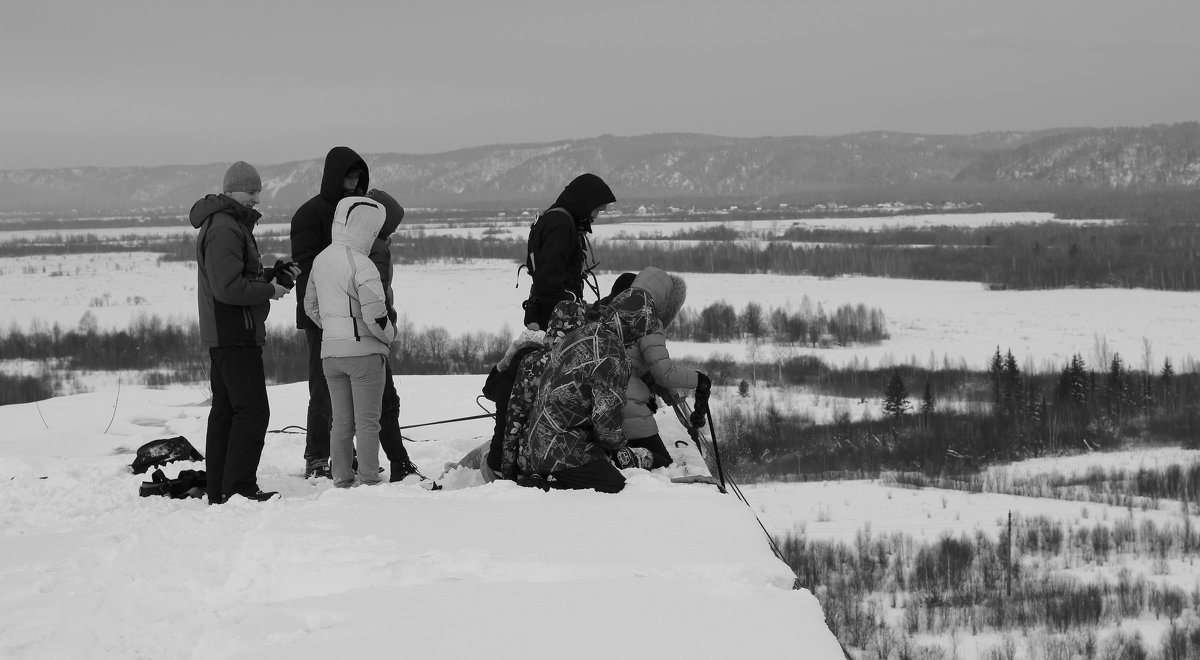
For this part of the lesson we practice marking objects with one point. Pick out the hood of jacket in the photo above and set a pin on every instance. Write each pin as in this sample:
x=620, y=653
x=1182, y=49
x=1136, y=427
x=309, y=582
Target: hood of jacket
x=205, y=208
x=338, y=162
x=395, y=212
x=666, y=290
x=633, y=311
x=356, y=223
x=584, y=194
x=566, y=317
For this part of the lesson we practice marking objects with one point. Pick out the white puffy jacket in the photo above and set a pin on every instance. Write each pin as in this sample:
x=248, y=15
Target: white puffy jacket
x=345, y=296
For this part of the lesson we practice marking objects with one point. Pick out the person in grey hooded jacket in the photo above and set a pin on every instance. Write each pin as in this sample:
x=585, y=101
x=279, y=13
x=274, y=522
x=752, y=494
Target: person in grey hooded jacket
x=346, y=300
x=651, y=365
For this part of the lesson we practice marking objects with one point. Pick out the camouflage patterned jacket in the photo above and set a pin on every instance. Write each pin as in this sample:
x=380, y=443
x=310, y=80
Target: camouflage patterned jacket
x=577, y=413
x=567, y=316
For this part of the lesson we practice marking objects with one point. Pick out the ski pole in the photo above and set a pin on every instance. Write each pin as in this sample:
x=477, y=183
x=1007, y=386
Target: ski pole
x=446, y=421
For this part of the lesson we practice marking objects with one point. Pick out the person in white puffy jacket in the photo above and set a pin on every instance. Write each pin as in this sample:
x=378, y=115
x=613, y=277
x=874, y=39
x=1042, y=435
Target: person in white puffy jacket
x=345, y=297
x=650, y=362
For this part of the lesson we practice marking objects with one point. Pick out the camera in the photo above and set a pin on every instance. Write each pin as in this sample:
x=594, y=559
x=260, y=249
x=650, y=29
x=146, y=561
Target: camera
x=280, y=273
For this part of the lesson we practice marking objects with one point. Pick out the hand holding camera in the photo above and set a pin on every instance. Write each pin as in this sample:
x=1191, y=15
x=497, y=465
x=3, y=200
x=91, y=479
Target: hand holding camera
x=285, y=273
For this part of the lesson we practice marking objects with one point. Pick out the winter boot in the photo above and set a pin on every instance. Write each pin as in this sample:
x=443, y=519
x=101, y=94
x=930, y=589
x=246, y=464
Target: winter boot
x=318, y=469
x=258, y=495
x=408, y=473
x=402, y=469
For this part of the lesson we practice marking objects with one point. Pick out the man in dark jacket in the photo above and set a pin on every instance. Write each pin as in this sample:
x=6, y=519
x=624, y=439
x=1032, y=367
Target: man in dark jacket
x=345, y=174
x=233, y=293
x=576, y=420
x=558, y=249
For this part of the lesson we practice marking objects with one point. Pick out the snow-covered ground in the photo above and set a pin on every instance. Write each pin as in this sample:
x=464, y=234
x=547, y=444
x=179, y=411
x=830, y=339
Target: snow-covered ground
x=91, y=570
x=928, y=320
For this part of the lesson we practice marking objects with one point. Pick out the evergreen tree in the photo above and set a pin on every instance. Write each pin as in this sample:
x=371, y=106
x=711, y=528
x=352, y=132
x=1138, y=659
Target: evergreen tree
x=895, y=396
x=1117, y=390
x=1166, y=382
x=996, y=372
x=1011, y=385
x=927, y=403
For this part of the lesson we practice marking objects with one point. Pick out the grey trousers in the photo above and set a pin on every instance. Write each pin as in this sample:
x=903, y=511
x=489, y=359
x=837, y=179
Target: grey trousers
x=355, y=390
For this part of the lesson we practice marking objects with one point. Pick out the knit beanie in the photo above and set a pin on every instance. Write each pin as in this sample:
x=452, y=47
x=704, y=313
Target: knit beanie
x=241, y=177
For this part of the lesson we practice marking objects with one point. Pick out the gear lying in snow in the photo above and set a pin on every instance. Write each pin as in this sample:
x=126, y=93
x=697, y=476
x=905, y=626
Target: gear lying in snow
x=189, y=483
x=157, y=453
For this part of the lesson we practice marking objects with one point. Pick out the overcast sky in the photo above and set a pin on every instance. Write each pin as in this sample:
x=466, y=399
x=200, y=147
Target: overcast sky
x=153, y=82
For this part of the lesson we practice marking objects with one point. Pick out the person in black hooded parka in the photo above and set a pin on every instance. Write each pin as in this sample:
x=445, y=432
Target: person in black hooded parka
x=558, y=247
x=345, y=174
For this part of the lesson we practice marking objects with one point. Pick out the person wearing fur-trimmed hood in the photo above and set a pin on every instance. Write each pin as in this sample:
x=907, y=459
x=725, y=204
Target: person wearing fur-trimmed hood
x=345, y=298
x=651, y=364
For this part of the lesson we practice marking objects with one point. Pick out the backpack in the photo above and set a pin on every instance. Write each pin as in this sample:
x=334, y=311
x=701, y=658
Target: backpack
x=160, y=452
x=189, y=483
x=533, y=247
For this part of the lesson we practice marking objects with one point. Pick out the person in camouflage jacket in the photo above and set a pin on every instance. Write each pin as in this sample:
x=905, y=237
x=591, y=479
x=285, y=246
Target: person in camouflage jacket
x=567, y=316
x=575, y=422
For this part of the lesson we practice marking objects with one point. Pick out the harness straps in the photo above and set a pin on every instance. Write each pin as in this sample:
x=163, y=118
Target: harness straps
x=589, y=269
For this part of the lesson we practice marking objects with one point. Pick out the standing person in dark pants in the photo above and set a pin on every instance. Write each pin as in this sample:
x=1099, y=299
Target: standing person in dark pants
x=390, y=438
x=233, y=293
x=345, y=174
x=558, y=252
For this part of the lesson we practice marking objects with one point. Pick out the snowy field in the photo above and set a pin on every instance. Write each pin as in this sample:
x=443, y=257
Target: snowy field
x=929, y=321
x=91, y=570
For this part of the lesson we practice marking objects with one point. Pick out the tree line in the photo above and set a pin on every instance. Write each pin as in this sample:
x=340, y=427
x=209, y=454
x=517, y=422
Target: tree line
x=1157, y=255
x=962, y=420
x=720, y=322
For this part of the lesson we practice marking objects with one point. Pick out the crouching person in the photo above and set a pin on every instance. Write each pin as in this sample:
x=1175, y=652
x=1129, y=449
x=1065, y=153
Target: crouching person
x=234, y=295
x=651, y=365
x=575, y=423
x=345, y=298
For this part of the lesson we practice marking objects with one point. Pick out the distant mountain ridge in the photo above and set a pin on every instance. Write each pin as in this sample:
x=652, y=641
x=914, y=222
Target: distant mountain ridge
x=674, y=165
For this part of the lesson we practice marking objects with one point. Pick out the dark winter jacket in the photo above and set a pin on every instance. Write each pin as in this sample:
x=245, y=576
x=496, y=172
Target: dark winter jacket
x=649, y=355
x=557, y=249
x=312, y=223
x=381, y=249
x=233, y=296
x=576, y=417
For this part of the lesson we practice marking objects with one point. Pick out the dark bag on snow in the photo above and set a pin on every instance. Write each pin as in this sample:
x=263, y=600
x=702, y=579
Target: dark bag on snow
x=189, y=483
x=160, y=452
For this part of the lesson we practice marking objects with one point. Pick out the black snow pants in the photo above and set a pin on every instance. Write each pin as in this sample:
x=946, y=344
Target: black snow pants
x=237, y=422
